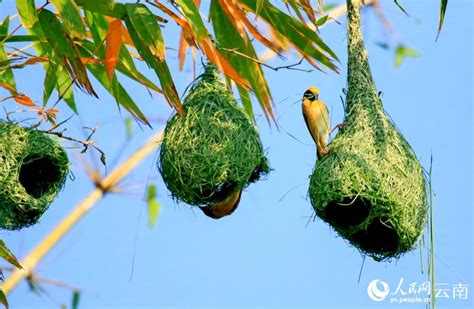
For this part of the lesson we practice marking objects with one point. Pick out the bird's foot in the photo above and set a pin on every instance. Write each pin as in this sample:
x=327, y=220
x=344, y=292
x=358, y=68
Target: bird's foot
x=340, y=126
x=323, y=152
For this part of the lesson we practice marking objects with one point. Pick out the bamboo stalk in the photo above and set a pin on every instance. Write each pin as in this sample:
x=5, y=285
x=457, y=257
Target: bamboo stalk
x=105, y=185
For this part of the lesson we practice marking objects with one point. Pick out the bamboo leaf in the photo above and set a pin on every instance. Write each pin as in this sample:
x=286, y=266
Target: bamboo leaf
x=117, y=91
x=229, y=38
x=65, y=49
x=103, y=7
x=401, y=52
x=8, y=255
x=69, y=12
x=246, y=102
x=147, y=28
x=400, y=7
x=6, y=73
x=76, y=295
x=27, y=12
x=160, y=67
x=113, y=43
x=59, y=79
x=153, y=206
x=305, y=40
x=444, y=5
x=3, y=299
x=23, y=99
x=202, y=36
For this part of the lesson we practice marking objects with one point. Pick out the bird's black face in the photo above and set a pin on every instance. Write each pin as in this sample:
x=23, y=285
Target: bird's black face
x=309, y=95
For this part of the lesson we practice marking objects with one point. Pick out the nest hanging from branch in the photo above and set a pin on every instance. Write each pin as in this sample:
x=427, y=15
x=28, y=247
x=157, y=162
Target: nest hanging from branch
x=33, y=169
x=371, y=187
x=213, y=149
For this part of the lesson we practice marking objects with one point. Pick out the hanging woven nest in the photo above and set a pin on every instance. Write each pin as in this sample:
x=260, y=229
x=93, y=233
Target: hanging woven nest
x=33, y=170
x=370, y=188
x=213, y=149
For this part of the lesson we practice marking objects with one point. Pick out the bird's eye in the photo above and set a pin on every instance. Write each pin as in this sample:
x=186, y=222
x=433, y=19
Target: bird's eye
x=309, y=95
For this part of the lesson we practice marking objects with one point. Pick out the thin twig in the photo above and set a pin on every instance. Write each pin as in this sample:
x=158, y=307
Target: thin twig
x=34, y=257
x=288, y=67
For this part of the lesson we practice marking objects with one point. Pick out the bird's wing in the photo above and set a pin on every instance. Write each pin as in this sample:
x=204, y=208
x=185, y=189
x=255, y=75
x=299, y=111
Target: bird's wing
x=306, y=120
x=325, y=114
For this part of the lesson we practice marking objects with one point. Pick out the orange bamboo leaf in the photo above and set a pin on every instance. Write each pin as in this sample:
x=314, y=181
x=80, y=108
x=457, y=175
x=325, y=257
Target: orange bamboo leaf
x=183, y=46
x=23, y=99
x=34, y=60
x=113, y=42
x=89, y=60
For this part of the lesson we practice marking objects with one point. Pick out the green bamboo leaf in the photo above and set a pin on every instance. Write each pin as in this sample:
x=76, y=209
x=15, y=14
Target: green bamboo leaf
x=72, y=20
x=303, y=38
x=27, y=12
x=246, y=102
x=401, y=52
x=321, y=21
x=49, y=83
x=65, y=49
x=233, y=46
x=6, y=73
x=159, y=66
x=194, y=18
x=153, y=206
x=147, y=28
x=444, y=5
x=6, y=254
x=400, y=7
x=117, y=91
x=103, y=7
x=3, y=299
x=76, y=295
x=63, y=85
x=127, y=67
x=98, y=26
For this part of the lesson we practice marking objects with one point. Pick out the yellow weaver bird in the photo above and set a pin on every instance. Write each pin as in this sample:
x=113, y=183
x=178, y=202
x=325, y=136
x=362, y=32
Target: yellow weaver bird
x=316, y=116
x=224, y=208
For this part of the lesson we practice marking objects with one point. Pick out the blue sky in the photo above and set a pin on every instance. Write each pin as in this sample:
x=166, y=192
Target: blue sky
x=265, y=254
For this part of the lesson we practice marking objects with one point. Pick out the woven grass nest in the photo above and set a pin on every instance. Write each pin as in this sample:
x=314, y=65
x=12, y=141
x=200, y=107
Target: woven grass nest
x=370, y=188
x=213, y=149
x=33, y=169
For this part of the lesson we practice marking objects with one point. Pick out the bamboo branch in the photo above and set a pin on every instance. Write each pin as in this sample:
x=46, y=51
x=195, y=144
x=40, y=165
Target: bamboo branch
x=105, y=185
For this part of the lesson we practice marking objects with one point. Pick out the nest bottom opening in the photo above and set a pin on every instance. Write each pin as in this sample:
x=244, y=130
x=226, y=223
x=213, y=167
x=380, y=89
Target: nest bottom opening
x=347, y=212
x=38, y=174
x=380, y=237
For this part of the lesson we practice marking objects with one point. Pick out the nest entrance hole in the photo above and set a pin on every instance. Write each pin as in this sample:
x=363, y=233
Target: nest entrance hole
x=348, y=212
x=380, y=237
x=38, y=174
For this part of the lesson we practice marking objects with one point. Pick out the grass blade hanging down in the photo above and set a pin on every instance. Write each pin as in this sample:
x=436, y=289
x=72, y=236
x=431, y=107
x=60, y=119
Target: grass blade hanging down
x=65, y=49
x=6, y=73
x=306, y=41
x=444, y=5
x=228, y=37
x=71, y=18
x=146, y=35
x=203, y=38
